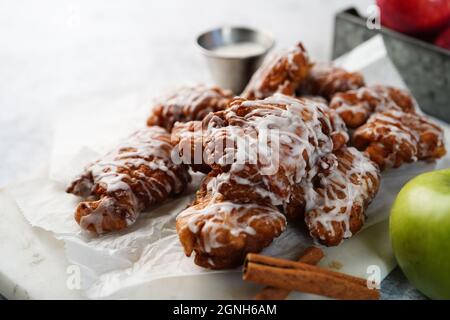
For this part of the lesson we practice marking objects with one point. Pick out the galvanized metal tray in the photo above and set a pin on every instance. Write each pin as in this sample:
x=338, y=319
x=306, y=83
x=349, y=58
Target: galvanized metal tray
x=424, y=67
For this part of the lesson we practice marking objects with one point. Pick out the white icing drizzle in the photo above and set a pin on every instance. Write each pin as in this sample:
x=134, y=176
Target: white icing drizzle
x=292, y=134
x=217, y=217
x=403, y=132
x=115, y=173
x=327, y=78
x=389, y=126
x=366, y=100
x=344, y=106
x=344, y=187
x=188, y=103
x=338, y=125
x=107, y=207
x=271, y=63
x=239, y=144
x=142, y=148
x=245, y=132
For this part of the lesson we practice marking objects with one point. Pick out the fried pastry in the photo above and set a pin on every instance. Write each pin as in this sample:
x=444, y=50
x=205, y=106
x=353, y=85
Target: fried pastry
x=356, y=106
x=137, y=174
x=259, y=152
x=346, y=184
x=187, y=103
x=394, y=137
x=187, y=139
x=281, y=72
x=325, y=80
x=277, y=141
x=221, y=232
x=339, y=133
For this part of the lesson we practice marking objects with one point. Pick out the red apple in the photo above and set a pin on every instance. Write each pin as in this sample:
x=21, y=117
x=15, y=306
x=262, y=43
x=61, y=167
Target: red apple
x=416, y=17
x=443, y=40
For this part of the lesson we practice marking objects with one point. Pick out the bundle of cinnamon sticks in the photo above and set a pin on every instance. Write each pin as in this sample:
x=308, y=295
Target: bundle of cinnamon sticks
x=282, y=276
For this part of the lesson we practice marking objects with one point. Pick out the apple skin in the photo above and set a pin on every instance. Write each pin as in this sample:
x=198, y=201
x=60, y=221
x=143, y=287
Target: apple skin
x=415, y=17
x=420, y=232
x=443, y=40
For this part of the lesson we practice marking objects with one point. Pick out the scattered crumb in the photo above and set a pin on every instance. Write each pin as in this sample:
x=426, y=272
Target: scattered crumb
x=335, y=265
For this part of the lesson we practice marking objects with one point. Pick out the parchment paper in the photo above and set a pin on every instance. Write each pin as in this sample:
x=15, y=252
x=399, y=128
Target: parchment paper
x=147, y=260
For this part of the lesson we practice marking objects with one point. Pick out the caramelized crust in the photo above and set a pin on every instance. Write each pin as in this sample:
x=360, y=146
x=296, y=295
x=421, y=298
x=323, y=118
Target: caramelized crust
x=221, y=232
x=137, y=174
x=345, y=186
x=356, y=106
x=281, y=72
x=394, y=137
x=186, y=104
x=187, y=139
x=325, y=80
x=240, y=200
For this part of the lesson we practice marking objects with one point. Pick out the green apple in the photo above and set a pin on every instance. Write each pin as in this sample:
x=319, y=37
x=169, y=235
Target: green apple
x=420, y=232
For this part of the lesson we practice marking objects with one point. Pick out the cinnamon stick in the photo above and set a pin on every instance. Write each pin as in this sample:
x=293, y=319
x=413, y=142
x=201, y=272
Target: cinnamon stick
x=312, y=255
x=299, y=276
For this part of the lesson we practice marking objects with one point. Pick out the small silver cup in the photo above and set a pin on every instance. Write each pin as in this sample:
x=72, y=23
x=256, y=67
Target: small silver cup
x=233, y=71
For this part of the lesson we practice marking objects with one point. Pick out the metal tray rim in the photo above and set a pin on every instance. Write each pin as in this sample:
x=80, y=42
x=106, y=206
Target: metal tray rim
x=352, y=15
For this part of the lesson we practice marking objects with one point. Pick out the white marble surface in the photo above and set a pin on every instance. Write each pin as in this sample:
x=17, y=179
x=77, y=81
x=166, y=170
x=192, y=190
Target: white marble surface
x=58, y=58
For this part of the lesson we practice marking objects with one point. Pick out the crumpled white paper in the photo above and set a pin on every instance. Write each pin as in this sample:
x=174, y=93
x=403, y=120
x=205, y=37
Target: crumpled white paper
x=147, y=260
